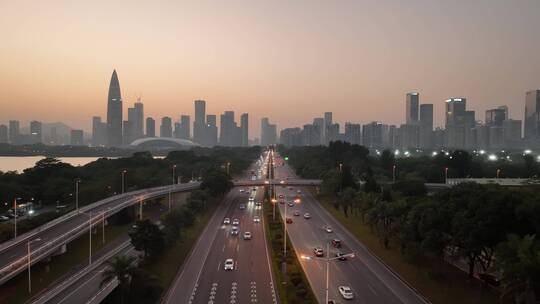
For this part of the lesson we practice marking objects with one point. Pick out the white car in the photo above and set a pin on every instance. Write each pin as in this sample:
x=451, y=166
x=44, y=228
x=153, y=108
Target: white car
x=241, y=190
x=236, y=222
x=328, y=229
x=247, y=235
x=226, y=221
x=251, y=199
x=256, y=219
x=234, y=231
x=229, y=264
x=307, y=216
x=346, y=292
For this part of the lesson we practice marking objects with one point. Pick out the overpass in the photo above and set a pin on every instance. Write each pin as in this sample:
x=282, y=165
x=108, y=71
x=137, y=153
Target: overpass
x=53, y=236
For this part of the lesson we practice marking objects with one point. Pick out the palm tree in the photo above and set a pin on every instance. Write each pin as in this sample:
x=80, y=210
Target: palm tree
x=121, y=268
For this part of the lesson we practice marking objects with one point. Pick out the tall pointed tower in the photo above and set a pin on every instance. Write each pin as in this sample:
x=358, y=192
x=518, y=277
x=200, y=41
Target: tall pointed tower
x=114, y=113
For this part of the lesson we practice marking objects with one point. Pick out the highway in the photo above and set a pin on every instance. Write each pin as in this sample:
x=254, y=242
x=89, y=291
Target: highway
x=371, y=281
x=203, y=278
x=49, y=238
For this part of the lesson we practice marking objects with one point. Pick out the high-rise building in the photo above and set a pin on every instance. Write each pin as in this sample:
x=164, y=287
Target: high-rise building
x=4, y=134
x=36, y=134
x=99, y=132
x=114, y=113
x=459, y=121
x=374, y=135
x=426, y=126
x=128, y=130
x=211, y=131
x=185, y=127
x=327, y=123
x=512, y=132
x=291, y=137
x=77, y=137
x=412, y=103
x=136, y=117
x=353, y=133
x=495, y=117
x=199, y=124
x=14, y=132
x=165, y=129
x=268, y=132
x=244, y=126
x=150, y=127
x=532, y=116
x=177, y=130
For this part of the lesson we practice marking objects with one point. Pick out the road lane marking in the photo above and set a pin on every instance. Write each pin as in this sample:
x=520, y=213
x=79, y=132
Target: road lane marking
x=219, y=266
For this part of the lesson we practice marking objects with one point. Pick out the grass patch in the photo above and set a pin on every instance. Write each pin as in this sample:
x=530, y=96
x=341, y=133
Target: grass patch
x=46, y=272
x=294, y=287
x=438, y=281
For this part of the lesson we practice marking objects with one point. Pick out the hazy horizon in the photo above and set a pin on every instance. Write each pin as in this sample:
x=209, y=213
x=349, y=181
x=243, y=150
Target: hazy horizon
x=289, y=61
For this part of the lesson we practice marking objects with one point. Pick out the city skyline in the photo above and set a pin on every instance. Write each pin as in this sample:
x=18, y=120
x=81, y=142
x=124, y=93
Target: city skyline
x=288, y=70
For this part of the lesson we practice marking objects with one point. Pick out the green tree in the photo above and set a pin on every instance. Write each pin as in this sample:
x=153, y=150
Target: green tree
x=147, y=237
x=217, y=182
x=518, y=259
x=122, y=268
x=387, y=162
x=460, y=162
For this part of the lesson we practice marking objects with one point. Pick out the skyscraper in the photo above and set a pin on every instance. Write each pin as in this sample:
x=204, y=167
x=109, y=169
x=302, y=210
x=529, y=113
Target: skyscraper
x=244, y=126
x=185, y=127
x=136, y=117
x=495, y=117
x=426, y=125
x=353, y=133
x=532, y=115
x=14, y=132
x=150, y=127
x=458, y=122
x=268, y=132
x=327, y=124
x=36, y=135
x=77, y=137
x=412, y=103
x=99, y=132
x=114, y=113
x=166, y=127
x=211, y=131
x=3, y=134
x=199, y=124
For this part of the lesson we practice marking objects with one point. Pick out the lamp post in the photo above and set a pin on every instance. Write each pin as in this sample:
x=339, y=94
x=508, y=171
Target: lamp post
x=89, y=237
x=15, y=215
x=77, y=181
x=498, y=173
x=446, y=175
x=103, y=226
x=394, y=174
x=173, y=168
x=285, y=236
x=228, y=167
x=30, y=263
x=140, y=208
x=328, y=259
x=123, y=173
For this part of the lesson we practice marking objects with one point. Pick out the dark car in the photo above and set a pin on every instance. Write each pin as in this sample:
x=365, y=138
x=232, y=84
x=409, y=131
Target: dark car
x=289, y=220
x=341, y=256
x=336, y=243
x=490, y=279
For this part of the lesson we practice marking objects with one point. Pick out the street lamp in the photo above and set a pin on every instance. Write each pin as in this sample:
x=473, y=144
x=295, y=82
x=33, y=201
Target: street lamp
x=328, y=259
x=123, y=173
x=77, y=181
x=228, y=167
x=29, y=264
x=446, y=175
x=498, y=172
x=89, y=236
x=15, y=213
x=140, y=208
x=394, y=173
x=173, y=168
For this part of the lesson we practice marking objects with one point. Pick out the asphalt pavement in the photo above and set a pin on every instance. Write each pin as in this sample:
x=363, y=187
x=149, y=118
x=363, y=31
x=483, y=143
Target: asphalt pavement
x=371, y=281
x=204, y=279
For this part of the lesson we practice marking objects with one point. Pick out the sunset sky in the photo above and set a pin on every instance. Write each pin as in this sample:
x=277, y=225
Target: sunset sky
x=288, y=60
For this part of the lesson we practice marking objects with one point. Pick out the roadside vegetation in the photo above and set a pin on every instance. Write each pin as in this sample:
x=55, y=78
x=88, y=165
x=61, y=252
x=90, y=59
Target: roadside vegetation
x=164, y=247
x=51, y=183
x=489, y=232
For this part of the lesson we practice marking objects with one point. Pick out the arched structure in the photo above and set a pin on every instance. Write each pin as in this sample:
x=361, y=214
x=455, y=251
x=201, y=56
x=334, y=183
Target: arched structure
x=163, y=143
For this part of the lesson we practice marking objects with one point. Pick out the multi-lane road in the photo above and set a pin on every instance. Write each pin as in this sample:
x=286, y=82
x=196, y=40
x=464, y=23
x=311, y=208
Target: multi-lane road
x=371, y=281
x=203, y=279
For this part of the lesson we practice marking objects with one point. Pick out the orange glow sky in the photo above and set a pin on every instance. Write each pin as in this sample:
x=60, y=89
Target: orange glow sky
x=289, y=60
